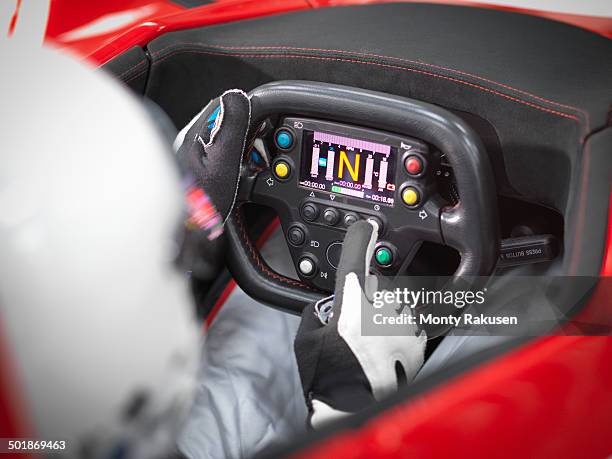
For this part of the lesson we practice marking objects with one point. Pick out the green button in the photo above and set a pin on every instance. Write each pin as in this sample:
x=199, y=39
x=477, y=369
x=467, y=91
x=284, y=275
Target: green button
x=383, y=256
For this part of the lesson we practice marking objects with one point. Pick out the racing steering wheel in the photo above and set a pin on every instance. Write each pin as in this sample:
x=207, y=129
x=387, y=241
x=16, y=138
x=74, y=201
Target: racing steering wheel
x=397, y=131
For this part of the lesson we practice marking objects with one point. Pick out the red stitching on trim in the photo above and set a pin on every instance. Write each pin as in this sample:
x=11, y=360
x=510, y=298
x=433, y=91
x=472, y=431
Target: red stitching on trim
x=354, y=53
x=288, y=56
x=260, y=263
x=144, y=61
x=136, y=76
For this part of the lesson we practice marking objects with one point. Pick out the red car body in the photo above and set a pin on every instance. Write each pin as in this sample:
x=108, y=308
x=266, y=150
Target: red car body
x=153, y=17
x=550, y=397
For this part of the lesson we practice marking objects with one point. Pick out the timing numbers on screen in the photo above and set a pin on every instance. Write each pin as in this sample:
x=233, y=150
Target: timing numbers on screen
x=308, y=183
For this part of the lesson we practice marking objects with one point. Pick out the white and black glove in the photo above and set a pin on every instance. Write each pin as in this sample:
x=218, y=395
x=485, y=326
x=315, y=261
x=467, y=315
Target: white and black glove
x=210, y=151
x=341, y=370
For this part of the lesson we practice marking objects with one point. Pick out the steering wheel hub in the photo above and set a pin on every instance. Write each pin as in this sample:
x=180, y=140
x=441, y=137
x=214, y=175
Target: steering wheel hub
x=344, y=155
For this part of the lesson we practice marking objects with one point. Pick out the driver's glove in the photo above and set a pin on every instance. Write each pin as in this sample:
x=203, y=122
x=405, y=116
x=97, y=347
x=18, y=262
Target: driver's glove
x=341, y=370
x=209, y=151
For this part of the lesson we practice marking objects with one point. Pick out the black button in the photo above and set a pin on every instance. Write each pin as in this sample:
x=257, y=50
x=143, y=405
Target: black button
x=334, y=250
x=331, y=216
x=349, y=219
x=296, y=235
x=310, y=212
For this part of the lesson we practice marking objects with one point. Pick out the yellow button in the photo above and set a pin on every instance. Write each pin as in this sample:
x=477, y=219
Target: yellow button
x=281, y=169
x=410, y=196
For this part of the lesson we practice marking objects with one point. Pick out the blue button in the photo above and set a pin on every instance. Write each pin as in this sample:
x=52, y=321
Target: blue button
x=256, y=157
x=284, y=139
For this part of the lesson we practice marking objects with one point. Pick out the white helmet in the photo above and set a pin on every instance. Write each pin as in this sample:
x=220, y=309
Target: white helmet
x=99, y=322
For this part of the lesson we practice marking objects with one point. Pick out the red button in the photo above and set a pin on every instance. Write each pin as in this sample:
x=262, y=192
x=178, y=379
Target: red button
x=414, y=165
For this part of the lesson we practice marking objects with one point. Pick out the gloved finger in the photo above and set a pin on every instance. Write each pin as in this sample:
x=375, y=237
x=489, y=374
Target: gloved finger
x=357, y=251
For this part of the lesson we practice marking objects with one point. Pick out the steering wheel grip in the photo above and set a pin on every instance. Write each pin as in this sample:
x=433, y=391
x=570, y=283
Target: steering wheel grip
x=471, y=226
x=257, y=279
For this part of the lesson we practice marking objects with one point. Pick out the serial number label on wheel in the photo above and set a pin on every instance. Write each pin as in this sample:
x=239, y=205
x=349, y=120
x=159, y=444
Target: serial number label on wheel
x=31, y=445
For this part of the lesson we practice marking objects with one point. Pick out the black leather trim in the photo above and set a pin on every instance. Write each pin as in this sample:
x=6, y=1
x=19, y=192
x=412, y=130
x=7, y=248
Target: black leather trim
x=536, y=60
x=543, y=85
x=586, y=237
x=132, y=68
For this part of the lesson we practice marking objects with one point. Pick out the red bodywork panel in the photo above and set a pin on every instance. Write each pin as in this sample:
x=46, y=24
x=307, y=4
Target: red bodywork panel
x=549, y=398
x=156, y=17
x=136, y=22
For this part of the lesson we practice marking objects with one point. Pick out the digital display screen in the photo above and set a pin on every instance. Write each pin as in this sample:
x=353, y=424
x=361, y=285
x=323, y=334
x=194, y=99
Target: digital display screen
x=352, y=167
